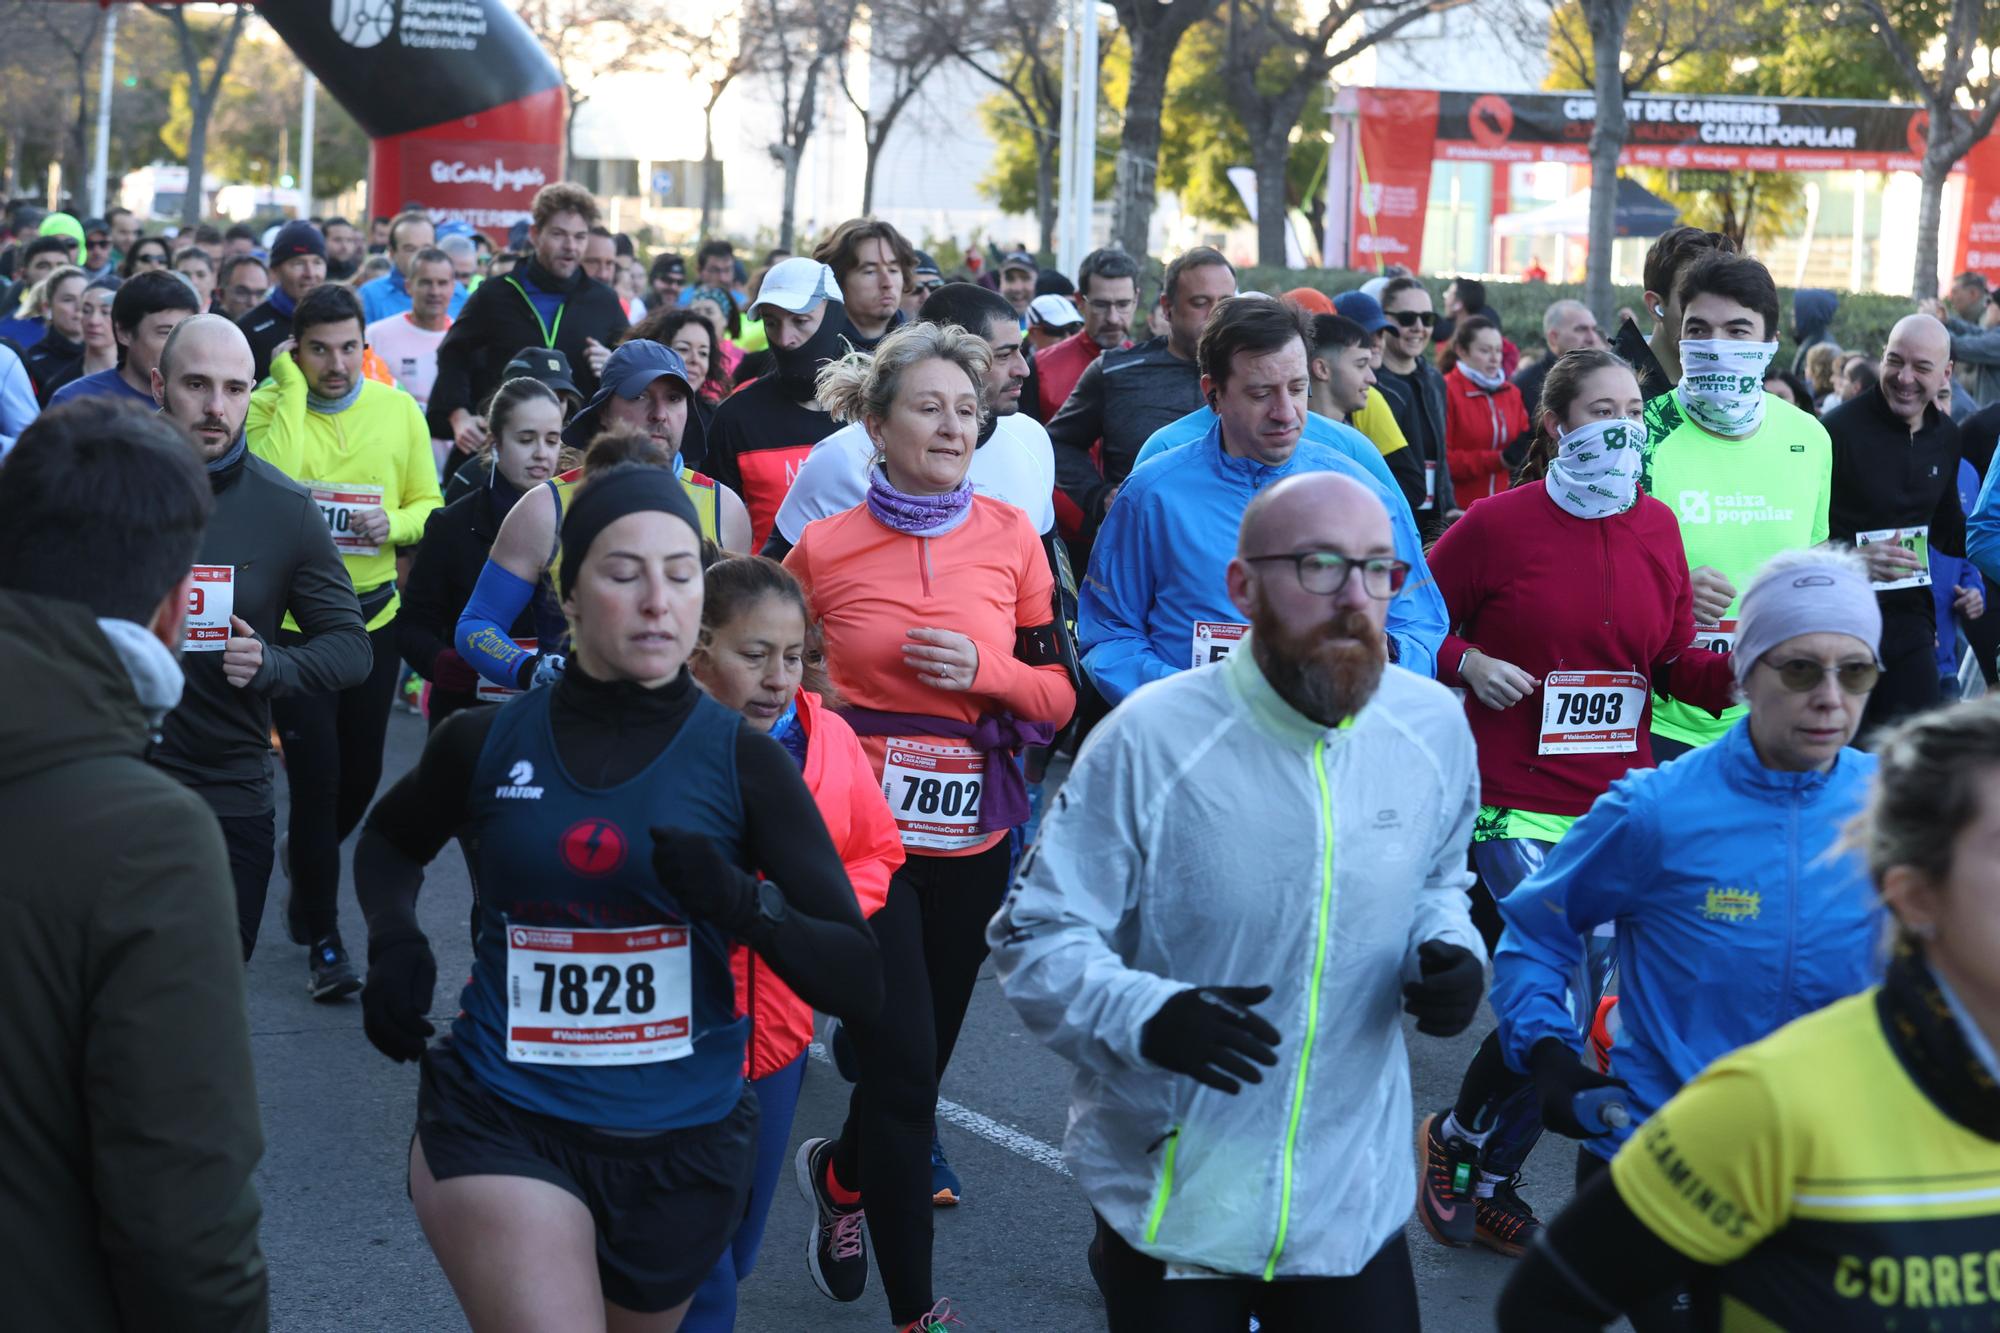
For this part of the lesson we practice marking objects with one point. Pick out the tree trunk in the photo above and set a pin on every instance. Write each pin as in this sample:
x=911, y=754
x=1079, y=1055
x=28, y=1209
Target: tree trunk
x=197, y=157
x=1607, y=19
x=1045, y=192
x=1134, y=192
x=789, y=157
x=1938, y=157
x=1271, y=155
x=873, y=143
x=708, y=190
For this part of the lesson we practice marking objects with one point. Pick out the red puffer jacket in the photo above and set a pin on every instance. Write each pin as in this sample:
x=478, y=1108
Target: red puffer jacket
x=1478, y=425
x=850, y=800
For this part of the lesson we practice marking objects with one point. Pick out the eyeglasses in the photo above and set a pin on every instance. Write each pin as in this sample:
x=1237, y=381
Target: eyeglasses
x=1802, y=675
x=1409, y=319
x=1324, y=574
x=929, y=284
x=98, y=243
x=150, y=258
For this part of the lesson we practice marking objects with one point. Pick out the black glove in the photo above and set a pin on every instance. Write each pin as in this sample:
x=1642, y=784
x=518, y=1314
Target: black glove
x=402, y=977
x=701, y=883
x=1447, y=998
x=1209, y=1034
x=1560, y=1074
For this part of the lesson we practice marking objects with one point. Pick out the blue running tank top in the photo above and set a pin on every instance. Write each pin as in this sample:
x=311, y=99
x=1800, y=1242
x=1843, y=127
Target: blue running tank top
x=585, y=1002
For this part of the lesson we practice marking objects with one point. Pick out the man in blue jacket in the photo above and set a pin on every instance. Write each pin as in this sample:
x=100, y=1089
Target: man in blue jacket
x=1155, y=600
x=409, y=235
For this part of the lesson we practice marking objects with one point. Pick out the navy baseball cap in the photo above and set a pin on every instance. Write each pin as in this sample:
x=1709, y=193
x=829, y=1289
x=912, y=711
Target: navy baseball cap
x=633, y=366
x=1363, y=309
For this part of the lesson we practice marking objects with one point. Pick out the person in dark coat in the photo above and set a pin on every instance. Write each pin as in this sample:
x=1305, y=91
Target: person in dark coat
x=127, y=1100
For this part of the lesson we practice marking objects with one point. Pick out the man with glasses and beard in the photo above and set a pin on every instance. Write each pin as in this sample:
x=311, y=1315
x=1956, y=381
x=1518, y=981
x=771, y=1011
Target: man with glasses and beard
x=1183, y=912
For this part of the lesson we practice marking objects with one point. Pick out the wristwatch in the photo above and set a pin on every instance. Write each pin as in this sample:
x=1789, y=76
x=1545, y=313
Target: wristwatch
x=771, y=905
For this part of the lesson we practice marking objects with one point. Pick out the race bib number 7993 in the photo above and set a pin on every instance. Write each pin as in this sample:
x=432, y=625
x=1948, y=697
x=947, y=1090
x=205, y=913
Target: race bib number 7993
x=1591, y=712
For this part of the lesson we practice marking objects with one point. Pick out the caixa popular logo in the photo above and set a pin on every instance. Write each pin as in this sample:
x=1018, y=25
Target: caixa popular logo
x=364, y=23
x=496, y=174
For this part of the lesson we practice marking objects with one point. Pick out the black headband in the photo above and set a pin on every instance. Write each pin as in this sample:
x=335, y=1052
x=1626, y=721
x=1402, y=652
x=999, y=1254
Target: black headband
x=629, y=488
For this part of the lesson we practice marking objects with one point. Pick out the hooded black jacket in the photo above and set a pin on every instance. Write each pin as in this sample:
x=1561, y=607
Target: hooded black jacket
x=763, y=431
x=127, y=1101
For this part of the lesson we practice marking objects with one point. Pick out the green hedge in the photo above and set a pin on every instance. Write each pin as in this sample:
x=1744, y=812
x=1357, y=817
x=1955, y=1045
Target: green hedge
x=1862, y=322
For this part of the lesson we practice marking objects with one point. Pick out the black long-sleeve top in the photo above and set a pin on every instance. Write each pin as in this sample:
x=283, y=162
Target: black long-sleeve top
x=1885, y=477
x=606, y=732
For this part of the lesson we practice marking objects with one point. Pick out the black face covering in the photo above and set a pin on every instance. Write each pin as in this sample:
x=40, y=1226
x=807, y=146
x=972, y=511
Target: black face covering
x=799, y=366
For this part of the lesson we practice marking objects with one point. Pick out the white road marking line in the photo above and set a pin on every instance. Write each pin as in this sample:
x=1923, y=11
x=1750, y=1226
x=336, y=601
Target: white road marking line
x=1005, y=1136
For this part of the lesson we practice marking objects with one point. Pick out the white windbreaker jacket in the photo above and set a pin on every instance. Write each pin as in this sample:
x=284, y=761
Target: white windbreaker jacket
x=1210, y=834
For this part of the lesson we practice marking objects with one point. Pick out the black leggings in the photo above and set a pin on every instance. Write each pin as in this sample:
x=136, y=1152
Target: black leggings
x=333, y=763
x=932, y=936
x=251, y=841
x=1381, y=1298
x=1909, y=683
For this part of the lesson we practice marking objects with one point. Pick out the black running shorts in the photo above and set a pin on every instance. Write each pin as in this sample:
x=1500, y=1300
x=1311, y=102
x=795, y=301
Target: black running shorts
x=666, y=1205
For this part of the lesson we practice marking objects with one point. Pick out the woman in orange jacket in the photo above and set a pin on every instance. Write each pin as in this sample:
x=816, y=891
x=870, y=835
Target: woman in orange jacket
x=752, y=657
x=1486, y=428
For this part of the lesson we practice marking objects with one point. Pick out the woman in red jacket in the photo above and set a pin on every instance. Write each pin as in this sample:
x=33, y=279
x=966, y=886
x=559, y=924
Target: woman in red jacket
x=752, y=657
x=1485, y=424
x=1570, y=605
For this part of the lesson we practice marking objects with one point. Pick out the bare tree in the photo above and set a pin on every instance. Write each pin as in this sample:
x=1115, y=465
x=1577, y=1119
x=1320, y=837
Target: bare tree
x=1615, y=48
x=1016, y=45
x=591, y=39
x=1273, y=62
x=72, y=32
x=203, y=87
x=1959, y=90
x=798, y=43
x=41, y=38
x=715, y=56
x=906, y=43
x=1153, y=28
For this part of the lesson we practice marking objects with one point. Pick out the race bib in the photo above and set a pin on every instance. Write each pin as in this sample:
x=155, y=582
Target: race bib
x=1216, y=639
x=1719, y=638
x=340, y=504
x=934, y=790
x=1591, y=712
x=1916, y=540
x=1430, y=486
x=489, y=693
x=598, y=997
x=211, y=602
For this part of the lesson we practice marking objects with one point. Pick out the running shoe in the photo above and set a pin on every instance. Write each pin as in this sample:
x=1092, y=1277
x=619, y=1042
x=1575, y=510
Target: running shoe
x=937, y=1319
x=1445, y=1174
x=945, y=1189
x=329, y=975
x=836, y=1249
x=1506, y=1224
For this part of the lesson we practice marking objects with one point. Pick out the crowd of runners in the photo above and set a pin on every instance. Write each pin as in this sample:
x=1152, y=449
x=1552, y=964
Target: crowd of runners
x=798, y=634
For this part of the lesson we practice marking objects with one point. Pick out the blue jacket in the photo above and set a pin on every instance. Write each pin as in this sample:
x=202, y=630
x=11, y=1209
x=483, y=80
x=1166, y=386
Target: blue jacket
x=390, y=295
x=1319, y=429
x=1158, y=565
x=17, y=399
x=1948, y=574
x=1732, y=915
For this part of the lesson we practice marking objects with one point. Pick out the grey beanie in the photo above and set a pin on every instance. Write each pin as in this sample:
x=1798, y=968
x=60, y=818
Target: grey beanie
x=1805, y=592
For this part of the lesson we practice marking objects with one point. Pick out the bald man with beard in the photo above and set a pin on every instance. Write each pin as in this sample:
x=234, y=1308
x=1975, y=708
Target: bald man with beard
x=1228, y=909
x=267, y=551
x=1895, y=498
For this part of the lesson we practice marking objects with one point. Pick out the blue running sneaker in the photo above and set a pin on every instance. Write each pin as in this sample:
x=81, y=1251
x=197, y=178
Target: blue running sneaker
x=945, y=1188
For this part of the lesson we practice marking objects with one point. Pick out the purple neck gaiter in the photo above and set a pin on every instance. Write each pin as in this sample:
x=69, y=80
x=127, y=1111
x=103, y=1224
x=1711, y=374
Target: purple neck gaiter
x=916, y=515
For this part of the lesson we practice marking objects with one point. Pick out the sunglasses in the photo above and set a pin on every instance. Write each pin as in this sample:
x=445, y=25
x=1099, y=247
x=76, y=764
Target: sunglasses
x=1409, y=319
x=1803, y=676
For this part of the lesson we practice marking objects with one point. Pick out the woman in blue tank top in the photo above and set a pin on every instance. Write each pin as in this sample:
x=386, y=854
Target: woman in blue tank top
x=585, y=1138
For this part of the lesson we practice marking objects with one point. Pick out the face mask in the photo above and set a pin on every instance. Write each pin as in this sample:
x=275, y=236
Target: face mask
x=1595, y=472
x=1722, y=384
x=799, y=367
x=1490, y=383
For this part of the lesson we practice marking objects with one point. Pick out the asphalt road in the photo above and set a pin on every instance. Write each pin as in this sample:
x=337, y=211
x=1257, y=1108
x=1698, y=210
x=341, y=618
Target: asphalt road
x=345, y=1251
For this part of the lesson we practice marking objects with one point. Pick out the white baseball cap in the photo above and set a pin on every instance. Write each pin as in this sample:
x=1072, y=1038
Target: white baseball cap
x=797, y=285
x=1053, y=311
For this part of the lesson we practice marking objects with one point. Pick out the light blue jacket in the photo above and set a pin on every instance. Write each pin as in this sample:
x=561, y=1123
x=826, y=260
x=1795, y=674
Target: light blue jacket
x=1319, y=429
x=390, y=295
x=1158, y=565
x=1733, y=914
x=17, y=399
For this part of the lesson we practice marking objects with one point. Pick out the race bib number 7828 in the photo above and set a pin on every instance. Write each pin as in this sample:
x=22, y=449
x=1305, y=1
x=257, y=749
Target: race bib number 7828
x=598, y=997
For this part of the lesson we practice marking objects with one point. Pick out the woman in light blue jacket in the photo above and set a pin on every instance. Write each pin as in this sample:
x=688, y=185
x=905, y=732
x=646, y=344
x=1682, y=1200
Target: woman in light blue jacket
x=1734, y=912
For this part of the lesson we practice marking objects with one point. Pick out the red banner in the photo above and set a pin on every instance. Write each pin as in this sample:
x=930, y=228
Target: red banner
x=1979, y=214
x=1398, y=133
x=482, y=169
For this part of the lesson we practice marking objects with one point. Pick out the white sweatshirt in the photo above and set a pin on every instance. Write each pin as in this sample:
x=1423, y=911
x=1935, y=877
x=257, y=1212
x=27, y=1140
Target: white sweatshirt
x=1209, y=835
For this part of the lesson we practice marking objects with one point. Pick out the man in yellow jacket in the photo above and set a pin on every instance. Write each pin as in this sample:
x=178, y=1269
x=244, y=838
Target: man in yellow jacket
x=363, y=452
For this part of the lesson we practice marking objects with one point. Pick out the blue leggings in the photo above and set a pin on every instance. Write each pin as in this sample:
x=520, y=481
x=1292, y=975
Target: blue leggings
x=714, y=1306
